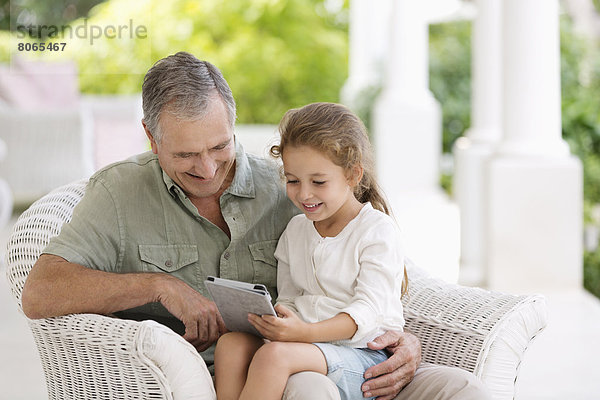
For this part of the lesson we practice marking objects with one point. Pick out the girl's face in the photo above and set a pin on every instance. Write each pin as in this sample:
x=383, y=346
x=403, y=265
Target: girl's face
x=318, y=187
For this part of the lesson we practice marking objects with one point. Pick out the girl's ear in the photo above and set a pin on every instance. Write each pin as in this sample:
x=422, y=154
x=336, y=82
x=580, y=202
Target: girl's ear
x=354, y=175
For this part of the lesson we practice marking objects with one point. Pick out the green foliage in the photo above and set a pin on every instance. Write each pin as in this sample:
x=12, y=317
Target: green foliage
x=5, y=43
x=591, y=272
x=580, y=60
x=580, y=104
x=363, y=106
x=446, y=183
x=450, y=77
x=54, y=12
x=275, y=54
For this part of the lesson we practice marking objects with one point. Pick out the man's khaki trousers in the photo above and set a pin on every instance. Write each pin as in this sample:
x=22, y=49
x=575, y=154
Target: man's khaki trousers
x=431, y=382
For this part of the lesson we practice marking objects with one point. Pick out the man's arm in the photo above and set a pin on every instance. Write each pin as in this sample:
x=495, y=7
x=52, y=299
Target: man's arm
x=389, y=377
x=57, y=287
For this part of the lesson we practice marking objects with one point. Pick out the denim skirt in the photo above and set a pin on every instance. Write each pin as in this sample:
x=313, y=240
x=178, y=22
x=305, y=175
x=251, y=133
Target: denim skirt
x=346, y=367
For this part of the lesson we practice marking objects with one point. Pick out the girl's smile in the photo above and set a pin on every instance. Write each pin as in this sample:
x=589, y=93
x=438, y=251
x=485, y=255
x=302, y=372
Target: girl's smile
x=311, y=207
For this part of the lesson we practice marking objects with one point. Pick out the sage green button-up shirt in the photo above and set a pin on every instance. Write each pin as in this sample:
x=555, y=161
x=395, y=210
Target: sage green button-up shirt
x=134, y=218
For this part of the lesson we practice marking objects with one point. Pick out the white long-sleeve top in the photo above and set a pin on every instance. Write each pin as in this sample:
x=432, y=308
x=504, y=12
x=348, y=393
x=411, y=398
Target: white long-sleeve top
x=358, y=272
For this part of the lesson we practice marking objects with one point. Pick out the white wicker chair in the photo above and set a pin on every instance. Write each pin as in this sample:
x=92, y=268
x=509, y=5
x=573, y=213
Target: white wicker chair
x=46, y=149
x=92, y=356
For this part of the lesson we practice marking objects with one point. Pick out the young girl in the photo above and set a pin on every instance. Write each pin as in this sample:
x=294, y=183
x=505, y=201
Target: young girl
x=340, y=266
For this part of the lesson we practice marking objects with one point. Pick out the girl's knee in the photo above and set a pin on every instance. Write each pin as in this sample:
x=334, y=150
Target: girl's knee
x=237, y=341
x=272, y=354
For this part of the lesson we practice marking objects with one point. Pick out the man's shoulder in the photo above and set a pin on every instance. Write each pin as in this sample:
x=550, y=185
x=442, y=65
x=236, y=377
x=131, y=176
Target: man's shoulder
x=267, y=177
x=264, y=167
x=136, y=168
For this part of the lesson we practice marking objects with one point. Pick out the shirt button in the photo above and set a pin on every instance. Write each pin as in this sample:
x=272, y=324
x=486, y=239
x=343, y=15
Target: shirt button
x=226, y=255
x=168, y=263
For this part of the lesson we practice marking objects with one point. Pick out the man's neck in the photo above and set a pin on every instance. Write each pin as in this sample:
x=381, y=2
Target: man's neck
x=209, y=207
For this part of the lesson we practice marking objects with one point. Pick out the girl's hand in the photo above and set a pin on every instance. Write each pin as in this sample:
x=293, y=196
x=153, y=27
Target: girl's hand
x=288, y=327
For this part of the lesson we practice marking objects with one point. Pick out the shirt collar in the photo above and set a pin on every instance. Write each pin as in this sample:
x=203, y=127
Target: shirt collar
x=242, y=184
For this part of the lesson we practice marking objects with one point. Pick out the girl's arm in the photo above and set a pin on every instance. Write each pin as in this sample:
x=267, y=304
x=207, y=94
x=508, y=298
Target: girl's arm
x=288, y=327
x=340, y=327
x=286, y=290
x=376, y=303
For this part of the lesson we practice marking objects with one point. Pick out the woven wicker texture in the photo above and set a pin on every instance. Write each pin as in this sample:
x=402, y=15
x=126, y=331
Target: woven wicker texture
x=92, y=356
x=480, y=331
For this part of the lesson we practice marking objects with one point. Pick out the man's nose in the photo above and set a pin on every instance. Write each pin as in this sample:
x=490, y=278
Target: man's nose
x=205, y=167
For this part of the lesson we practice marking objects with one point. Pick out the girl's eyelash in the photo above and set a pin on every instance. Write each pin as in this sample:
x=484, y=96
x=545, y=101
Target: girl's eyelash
x=293, y=181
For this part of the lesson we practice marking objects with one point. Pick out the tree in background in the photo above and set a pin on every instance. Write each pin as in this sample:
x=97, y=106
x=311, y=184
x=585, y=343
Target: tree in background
x=275, y=54
x=49, y=12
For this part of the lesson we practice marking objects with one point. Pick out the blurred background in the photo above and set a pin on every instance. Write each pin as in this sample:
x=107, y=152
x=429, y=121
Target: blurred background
x=483, y=197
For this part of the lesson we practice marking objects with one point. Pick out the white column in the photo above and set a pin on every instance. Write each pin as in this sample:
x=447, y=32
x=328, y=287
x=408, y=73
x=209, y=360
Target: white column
x=367, y=45
x=407, y=118
x=534, y=184
x=472, y=151
x=408, y=140
x=532, y=113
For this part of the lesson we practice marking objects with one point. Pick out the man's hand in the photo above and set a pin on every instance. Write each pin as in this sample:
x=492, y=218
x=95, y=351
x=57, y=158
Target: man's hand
x=57, y=287
x=288, y=327
x=203, y=323
x=389, y=377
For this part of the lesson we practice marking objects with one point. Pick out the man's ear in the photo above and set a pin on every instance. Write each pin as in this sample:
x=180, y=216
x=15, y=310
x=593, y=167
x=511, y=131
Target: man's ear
x=355, y=174
x=151, y=138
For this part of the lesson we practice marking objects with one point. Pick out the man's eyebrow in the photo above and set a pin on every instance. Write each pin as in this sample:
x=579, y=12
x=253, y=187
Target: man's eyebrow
x=184, y=154
x=223, y=143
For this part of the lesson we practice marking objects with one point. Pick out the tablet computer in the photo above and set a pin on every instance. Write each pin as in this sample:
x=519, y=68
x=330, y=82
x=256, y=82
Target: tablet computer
x=236, y=299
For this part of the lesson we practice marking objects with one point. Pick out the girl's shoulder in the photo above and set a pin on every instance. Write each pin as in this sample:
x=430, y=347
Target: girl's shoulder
x=298, y=222
x=376, y=222
x=372, y=215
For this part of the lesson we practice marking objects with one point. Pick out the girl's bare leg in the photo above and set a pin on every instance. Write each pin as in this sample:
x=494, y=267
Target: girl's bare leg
x=233, y=355
x=273, y=364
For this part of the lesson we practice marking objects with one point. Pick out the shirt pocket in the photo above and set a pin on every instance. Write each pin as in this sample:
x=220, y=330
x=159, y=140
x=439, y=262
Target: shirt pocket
x=264, y=262
x=167, y=258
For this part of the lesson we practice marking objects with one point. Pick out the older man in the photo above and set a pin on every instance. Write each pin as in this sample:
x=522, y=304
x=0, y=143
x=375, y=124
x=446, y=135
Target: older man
x=150, y=229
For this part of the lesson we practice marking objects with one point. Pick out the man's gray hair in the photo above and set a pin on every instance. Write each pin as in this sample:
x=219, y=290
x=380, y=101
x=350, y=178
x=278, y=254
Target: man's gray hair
x=183, y=86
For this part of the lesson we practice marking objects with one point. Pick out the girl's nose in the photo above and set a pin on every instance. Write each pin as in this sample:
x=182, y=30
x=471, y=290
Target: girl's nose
x=305, y=192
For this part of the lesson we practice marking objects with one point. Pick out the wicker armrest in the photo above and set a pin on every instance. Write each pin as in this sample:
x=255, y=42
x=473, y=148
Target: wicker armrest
x=480, y=331
x=89, y=355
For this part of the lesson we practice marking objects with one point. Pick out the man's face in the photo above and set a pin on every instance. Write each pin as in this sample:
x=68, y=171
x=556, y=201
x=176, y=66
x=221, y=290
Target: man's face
x=198, y=155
